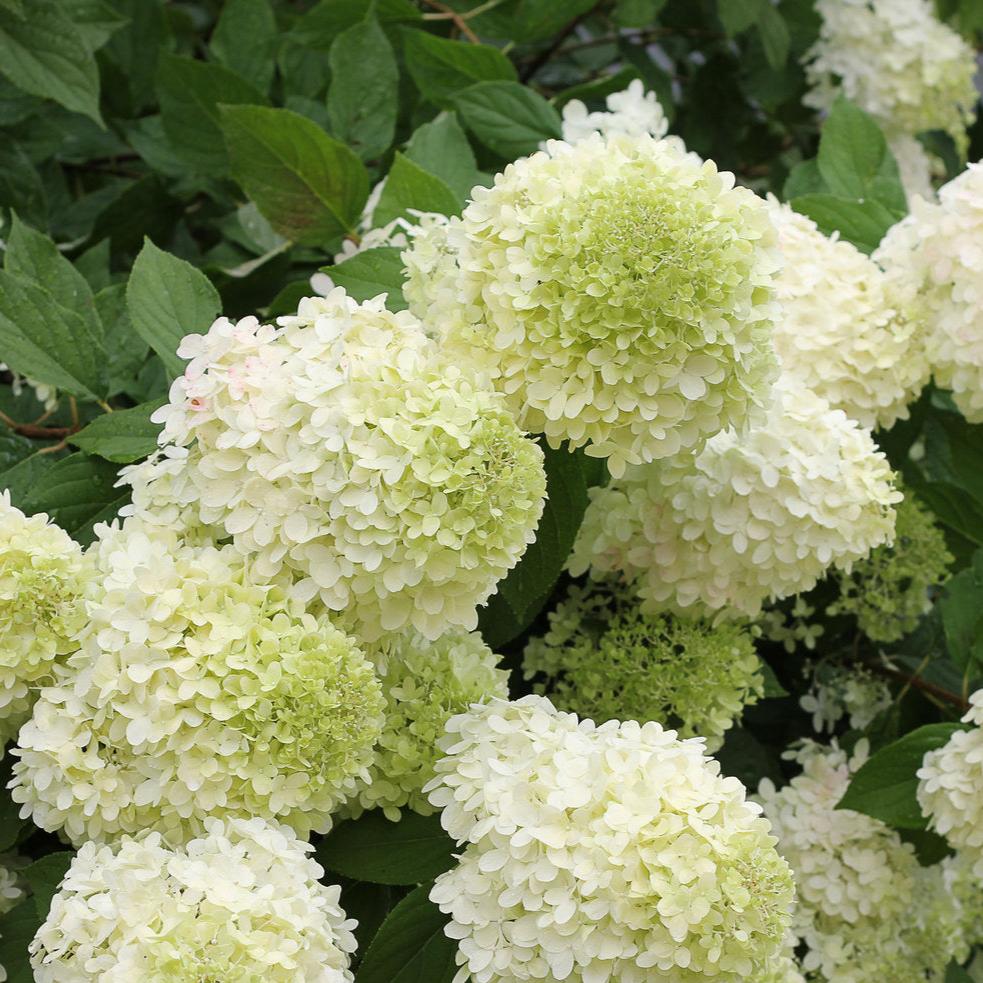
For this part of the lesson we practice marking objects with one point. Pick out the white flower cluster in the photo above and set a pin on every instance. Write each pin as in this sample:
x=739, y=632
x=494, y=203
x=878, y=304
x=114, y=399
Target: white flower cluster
x=850, y=691
x=897, y=61
x=342, y=447
x=618, y=292
x=752, y=517
x=632, y=112
x=950, y=787
x=841, y=335
x=935, y=254
x=43, y=581
x=241, y=903
x=425, y=684
x=601, y=853
x=866, y=909
x=200, y=690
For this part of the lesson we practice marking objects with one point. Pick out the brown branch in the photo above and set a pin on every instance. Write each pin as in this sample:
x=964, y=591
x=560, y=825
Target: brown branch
x=924, y=685
x=36, y=432
x=455, y=18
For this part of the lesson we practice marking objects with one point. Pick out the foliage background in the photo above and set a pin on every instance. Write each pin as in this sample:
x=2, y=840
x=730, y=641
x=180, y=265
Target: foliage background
x=164, y=162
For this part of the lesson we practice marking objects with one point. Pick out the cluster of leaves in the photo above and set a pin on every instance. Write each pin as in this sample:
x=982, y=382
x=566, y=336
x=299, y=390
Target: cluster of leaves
x=162, y=162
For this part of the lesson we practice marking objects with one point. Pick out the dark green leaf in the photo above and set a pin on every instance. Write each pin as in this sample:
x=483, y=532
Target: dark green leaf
x=96, y=20
x=370, y=273
x=326, y=20
x=44, y=876
x=123, y=436
x=507, y=117
x=17, y=930
x=364, y=93
x=739, y=15
x=190, y=93
x=126, y=351
x=409, y=186
x=45, y=55
x=441, y=148
x=167, y=299
x=956, y=974
x=521, y=595
x=78, y=491
x=440, y=68
x=375, y=849
x=637, y=13
x=33, y=256
x=21, y=186
x=310, y=187
x=538, y=19
x=774, y=35
x=46, y=341
x=885, y=786
x=24, y=477
x=862, y=223
x=962, y=616
x=411, y=947
x=368, y=904
x=852, y=150
x=804, y=179
x=244, y=39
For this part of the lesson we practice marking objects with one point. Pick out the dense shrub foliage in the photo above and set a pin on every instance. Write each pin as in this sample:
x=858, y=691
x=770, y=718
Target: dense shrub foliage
x=491, y=490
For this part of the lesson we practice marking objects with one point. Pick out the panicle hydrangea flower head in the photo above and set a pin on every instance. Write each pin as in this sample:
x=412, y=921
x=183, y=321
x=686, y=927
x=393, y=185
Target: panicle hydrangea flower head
x=840, y=334
x=199, y=690
x=850, y=691
x=934, y=253
x=11, y=891
x=889, y=590
x=752, y=517
x=601, y=853
x=44, y=578
x=791, y=626
x=897, y=61
x=860, y=912
x=341, y=447
x=605, y=658
x=950, y=787
x=618, y=292
x=425, y=684
x=631, y=112
x=240, y=903
x=917, y=168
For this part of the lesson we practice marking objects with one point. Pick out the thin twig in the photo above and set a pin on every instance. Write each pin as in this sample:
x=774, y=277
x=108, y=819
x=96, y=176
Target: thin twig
x=916, y=681
x=544, y=56
x=35, y=432
x=455, y=18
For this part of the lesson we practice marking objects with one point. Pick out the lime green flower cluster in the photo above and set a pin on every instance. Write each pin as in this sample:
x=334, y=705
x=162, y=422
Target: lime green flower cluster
x=200, y=691
x=604, y=658
x=889, y=590
x=425, y=684
x=43, y=580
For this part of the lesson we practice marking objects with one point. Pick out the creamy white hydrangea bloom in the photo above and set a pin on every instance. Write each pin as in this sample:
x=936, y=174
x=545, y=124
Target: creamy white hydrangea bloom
x=840, y=334
x=11, y=891
x=45, y=394
x=200, y=690
x=631, y=112
x=619, y=293
x=935, y=253
x=425, y=684
x=393, y=484
x=839, y=691
x=897, y=61
x=601, y=853
x=241, y=903
x=866, y=909
x=950, y=787
x=752, y=517
x=916, y=166
x=43, y=581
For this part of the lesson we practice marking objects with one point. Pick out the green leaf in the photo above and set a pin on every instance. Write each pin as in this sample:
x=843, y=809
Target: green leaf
x=774, y=35
x=244, y=40
x=961, y=608
x=310, y=187
x=441, y=148
x=46, y=341
x=956, y=974
x=190, y=94
x=440, y=68
x=885, y=786
x=96, y=20
x=738, y=15
x=364, y=93
x=535, y=20
x=375, y=849
x=852, y=151
x=167, y=299
x=17, y=930
x=326, y=20
x=507, y=117
x=862, y=223
x=370, y=273
x=77, y=492
x=411, y=947
x=126, y=351
x=804, y=179
x=20, y=184
x=44, y=876
x=409, y=186
x=33, y=256
x=124, y=436
x=45, y=55
x=522, y=594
